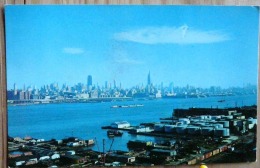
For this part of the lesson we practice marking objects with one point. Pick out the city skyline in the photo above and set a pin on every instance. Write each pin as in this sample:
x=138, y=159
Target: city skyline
x=119, y=85
x=122, y=44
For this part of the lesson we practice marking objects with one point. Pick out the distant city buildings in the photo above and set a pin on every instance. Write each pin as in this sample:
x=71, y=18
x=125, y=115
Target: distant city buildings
x=81, y=92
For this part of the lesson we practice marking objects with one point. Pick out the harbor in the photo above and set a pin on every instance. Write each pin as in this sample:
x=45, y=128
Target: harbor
x=180, y=136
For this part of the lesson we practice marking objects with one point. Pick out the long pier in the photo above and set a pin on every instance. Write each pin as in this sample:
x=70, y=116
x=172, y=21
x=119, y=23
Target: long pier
x=69, y=100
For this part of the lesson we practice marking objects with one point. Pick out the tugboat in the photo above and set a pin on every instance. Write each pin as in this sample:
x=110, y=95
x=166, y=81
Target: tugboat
x=112, y=133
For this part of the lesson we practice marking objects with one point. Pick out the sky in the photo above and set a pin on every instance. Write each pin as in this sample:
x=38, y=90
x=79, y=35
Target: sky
x=201, y=46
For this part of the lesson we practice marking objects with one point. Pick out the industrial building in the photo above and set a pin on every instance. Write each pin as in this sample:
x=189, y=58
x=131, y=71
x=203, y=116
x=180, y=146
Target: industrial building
x=205, y=121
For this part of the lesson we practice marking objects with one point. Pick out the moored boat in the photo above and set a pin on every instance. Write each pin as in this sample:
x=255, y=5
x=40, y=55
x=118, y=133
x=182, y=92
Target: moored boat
x=112, y=133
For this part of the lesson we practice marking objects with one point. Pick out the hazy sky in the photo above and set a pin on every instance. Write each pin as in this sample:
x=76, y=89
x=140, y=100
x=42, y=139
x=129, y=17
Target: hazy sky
x=200, y=46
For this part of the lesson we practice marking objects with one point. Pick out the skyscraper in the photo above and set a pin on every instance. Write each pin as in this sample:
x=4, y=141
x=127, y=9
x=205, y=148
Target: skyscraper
x=15, y=88
x=89, y=85
x=149, y=79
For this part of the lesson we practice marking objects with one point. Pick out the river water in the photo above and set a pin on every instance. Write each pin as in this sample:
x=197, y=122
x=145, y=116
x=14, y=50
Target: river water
x=84, y=120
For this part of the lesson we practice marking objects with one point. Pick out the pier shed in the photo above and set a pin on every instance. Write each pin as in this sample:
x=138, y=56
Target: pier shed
x=120, y=124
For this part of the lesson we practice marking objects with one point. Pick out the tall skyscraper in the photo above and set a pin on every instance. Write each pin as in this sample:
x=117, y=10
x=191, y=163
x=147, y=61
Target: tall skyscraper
x=15, y=88
x=149, y=83
x=89, y=82
x=149, y=79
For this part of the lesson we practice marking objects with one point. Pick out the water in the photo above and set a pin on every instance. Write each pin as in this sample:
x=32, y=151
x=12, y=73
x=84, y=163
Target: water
x=84, y=120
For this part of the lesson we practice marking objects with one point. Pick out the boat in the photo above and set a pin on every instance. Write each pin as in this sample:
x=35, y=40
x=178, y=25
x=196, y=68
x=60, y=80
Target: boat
x=112, y=133
x=221, y=101
x=127, y=106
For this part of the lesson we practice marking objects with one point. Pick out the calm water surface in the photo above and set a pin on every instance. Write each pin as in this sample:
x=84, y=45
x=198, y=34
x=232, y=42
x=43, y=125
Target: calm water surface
x=84, y=120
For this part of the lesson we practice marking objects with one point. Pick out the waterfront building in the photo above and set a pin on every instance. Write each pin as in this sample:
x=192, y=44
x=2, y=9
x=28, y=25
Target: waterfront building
x=83, y=96
x=94, y=94
x=158, y=94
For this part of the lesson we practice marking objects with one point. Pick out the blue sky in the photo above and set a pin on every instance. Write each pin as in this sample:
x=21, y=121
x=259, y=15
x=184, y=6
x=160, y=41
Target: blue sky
x=196, y=45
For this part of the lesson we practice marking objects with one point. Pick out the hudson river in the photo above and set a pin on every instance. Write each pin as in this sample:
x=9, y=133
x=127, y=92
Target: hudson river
x=84, y=120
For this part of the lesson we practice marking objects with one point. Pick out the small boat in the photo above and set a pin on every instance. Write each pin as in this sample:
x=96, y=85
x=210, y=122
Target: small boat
x=127, y=106
x=112, y=133
x=221, y=101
